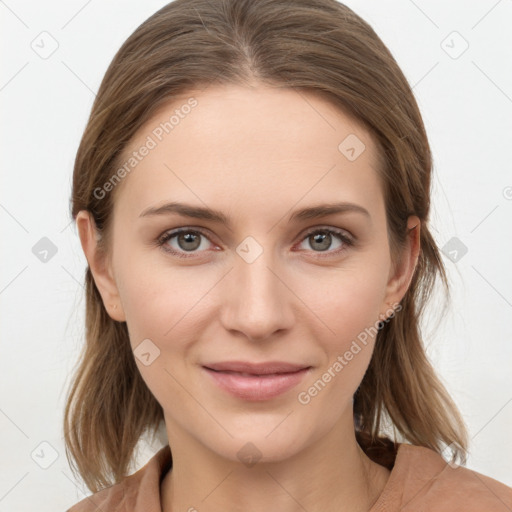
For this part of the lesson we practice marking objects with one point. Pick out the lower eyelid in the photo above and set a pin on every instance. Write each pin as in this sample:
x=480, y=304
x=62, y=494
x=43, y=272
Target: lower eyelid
x=346, y=240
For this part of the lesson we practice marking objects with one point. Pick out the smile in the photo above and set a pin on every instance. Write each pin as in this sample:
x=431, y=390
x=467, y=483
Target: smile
x=256, y=382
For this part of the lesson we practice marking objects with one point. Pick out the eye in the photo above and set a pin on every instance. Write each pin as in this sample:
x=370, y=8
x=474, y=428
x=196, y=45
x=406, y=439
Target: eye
x=321, y=240
x=187, y=240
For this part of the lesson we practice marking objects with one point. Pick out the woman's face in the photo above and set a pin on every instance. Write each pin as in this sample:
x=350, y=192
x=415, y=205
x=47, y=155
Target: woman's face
x=268, y=284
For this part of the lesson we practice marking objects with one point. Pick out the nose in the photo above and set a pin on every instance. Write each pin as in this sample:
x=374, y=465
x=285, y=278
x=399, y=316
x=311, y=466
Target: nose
x=257, y=301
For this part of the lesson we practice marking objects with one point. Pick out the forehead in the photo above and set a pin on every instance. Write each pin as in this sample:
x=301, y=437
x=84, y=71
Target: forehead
x=253, y=146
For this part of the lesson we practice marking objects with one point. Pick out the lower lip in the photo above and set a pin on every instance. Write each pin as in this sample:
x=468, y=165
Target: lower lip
x=256, y=387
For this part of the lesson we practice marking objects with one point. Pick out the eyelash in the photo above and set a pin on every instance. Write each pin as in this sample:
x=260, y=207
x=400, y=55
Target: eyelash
x=344, y=238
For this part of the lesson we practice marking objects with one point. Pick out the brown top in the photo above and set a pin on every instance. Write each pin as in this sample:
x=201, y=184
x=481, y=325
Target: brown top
x=420, y=481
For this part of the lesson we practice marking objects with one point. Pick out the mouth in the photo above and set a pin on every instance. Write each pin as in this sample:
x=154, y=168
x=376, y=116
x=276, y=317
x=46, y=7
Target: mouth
x=256, y=381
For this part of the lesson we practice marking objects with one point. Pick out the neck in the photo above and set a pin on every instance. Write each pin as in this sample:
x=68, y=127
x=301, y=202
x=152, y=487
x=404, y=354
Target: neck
x=332, y=474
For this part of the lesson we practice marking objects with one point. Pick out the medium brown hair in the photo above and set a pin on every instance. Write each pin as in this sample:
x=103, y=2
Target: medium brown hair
x=315, y=46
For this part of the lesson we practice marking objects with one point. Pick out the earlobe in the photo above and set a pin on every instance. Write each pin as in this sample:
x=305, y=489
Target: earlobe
x=99, y=265
x=401, y=278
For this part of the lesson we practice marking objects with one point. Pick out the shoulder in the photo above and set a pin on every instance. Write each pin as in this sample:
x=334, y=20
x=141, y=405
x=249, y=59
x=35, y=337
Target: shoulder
x=137, y=492
x=427, y=482
x=109, y=499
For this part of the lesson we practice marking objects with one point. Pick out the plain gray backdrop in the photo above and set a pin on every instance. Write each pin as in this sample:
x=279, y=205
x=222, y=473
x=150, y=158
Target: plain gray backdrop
x=456, y=55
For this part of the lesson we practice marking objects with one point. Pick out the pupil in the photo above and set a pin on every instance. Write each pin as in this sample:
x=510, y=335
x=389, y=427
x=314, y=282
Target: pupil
x=189, y=238
x=322, y=238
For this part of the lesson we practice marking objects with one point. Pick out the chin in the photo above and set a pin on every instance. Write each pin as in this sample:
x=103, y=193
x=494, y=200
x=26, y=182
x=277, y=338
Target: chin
x=265, y=443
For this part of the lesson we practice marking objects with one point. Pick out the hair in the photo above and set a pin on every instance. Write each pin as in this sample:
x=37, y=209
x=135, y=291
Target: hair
x=317, y=46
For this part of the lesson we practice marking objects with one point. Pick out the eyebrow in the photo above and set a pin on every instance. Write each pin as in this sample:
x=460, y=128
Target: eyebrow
x=205, y=213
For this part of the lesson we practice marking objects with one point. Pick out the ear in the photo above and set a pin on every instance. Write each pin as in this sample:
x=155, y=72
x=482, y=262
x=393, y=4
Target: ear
x=100, y=266
x=401, y=274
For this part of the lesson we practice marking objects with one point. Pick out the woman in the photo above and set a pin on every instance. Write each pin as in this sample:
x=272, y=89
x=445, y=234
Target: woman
x=252, y=194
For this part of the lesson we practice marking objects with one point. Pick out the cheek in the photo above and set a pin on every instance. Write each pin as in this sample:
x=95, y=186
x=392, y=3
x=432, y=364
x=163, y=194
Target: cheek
x=348, y=302
x=156, y=298
x=350, y=299
x=143, y=307
x=161, y=318
x=350, y=308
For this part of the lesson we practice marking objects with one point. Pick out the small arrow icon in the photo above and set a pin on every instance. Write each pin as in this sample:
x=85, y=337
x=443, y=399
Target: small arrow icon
x=146, y=352
x=249, y=454
x=351, y=147
x=44, y=250
x=44, y=455
x=455, y=249
x=249, y=249
x=454, y=45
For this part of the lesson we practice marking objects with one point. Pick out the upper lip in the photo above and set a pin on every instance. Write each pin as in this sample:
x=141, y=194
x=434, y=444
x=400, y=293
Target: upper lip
x=264, y=368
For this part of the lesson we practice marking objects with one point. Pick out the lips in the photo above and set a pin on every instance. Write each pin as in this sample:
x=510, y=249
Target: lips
x=255, y=368
x=256, y=381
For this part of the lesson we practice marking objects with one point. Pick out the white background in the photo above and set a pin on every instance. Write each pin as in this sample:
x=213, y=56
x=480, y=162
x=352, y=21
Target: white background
x=467, y=107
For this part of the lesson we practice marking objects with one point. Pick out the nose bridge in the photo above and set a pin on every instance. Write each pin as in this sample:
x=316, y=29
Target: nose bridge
x=255, y=274
x=257, y=301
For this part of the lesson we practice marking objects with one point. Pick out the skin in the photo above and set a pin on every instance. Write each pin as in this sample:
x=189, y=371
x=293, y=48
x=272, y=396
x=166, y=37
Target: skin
x=257, y=154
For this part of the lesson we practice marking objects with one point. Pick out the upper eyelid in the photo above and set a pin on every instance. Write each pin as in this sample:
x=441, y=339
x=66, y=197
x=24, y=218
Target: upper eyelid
x=171, y=233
